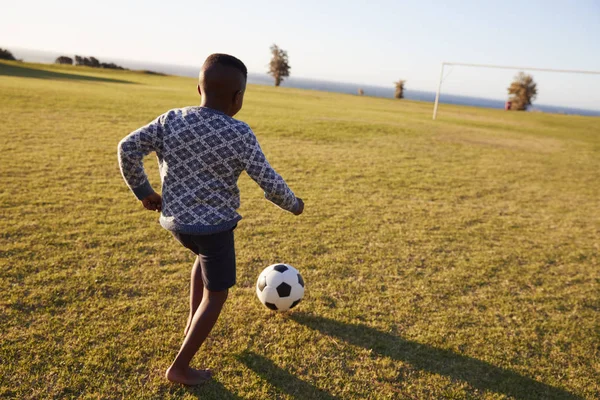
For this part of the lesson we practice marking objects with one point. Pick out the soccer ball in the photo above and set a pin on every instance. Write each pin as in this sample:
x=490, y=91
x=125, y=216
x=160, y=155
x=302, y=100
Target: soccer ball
x=280, y=287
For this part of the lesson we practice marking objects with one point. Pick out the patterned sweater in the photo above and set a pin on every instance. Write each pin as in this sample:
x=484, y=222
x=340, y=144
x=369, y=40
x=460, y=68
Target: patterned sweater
x=201, y=153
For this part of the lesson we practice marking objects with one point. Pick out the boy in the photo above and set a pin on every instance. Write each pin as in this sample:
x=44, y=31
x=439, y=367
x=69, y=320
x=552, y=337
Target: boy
x=201, y=153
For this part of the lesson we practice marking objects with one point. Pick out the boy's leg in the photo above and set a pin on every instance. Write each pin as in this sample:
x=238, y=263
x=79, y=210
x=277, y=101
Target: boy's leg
x=202, y=323
x=196, y=291
x=214, y=273
x=196, y=283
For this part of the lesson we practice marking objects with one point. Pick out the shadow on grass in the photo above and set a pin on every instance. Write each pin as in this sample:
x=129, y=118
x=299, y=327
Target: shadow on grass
x=26, y=72
x=478, y=374
x=212, y=390
x=282, y=379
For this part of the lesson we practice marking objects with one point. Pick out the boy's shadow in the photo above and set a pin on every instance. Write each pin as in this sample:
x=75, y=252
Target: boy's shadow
x=478, y=374
x=282, y=379
x=266, y=369
x=211, y=390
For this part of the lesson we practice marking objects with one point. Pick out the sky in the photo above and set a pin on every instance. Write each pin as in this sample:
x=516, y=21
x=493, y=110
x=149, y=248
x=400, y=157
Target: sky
x=363, y=42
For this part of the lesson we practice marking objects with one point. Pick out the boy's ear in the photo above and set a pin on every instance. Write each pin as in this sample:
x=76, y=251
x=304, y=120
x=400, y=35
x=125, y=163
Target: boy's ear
x=237, y=97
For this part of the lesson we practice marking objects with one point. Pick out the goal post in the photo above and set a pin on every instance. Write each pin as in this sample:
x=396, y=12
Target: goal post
x=437, y=95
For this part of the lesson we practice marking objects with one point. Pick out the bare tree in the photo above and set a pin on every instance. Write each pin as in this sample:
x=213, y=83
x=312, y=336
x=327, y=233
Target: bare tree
x=522, y=91
x=279, y=67
x=361, y=92
x=399, y=89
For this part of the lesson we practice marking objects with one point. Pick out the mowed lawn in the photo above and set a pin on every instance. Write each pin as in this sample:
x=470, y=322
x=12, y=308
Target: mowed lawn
x=448, y=259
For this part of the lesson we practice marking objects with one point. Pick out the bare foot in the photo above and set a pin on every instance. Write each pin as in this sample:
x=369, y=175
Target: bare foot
x=188, y=376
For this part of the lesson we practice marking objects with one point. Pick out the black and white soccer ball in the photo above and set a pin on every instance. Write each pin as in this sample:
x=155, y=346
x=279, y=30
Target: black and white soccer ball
x=280, y=287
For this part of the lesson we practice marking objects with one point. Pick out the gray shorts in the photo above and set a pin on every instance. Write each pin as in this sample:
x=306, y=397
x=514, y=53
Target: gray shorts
x=217, y=257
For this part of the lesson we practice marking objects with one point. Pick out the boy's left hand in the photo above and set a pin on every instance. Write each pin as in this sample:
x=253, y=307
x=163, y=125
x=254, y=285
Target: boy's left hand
x=153, y=202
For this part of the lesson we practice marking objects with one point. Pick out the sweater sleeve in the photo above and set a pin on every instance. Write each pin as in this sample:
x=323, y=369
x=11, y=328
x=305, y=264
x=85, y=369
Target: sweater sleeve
x=259, y=169
x=131, y=151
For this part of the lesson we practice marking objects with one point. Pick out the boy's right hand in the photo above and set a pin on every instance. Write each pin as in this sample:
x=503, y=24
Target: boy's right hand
x=152, y=202
x=300, y=208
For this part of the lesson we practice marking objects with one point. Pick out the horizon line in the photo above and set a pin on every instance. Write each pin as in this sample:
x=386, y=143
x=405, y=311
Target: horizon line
x=325, y=80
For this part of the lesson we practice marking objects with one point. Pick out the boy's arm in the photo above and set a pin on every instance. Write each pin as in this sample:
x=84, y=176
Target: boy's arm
x=131, y=152
x=259, y=169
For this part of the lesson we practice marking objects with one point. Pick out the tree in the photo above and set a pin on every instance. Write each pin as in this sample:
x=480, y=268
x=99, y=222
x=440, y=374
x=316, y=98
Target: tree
x=6, y=55
x=399, y=89
x=279, y=66
x=361, y=92
x=94, y=62
x=523, y=91
x=64, y=60
x=111, y=66
x=89, y=62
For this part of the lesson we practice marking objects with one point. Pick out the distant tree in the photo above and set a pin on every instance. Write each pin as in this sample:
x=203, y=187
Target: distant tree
x=146, y=71
x=361, y=92
x=279, y=67
x=94, y=62
x=6, y=55
x=64, y=60
x=111, y=66
x=84, y=61
x=399, y=89
x=522, y=91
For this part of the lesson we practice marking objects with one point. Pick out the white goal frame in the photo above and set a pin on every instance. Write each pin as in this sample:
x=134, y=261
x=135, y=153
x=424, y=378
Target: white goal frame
x=437, y=95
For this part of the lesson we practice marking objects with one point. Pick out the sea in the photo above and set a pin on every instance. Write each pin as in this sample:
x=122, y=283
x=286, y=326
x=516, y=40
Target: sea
x=313, y=84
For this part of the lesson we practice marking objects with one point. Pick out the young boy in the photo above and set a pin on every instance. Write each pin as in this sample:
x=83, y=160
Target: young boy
x=201, y=153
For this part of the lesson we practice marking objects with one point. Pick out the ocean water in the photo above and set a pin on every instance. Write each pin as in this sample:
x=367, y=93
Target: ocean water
x=314, y=84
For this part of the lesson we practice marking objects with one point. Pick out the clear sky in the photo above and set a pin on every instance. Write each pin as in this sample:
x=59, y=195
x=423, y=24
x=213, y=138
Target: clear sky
x=365, y=42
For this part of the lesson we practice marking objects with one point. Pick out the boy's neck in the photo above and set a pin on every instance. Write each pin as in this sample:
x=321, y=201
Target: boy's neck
x=214, y=105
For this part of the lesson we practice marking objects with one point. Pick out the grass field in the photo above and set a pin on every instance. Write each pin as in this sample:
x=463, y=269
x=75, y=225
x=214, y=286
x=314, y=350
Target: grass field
x=449, y=259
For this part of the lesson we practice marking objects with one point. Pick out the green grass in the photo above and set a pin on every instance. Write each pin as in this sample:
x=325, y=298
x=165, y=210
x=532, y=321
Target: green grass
x=449, y=259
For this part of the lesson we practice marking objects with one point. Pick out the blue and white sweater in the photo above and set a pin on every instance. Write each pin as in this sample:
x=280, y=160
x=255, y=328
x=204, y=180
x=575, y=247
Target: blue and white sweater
x=201, y=153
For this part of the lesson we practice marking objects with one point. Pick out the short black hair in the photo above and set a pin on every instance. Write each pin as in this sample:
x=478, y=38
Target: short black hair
x=226, y=60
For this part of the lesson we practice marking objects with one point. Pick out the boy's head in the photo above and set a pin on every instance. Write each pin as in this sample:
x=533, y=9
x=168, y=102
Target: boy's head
x=222, y=83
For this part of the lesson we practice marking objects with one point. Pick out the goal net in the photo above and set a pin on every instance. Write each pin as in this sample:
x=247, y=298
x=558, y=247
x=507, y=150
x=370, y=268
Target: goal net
x=559, y=90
